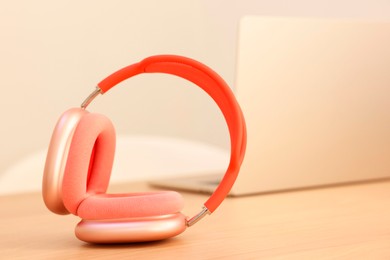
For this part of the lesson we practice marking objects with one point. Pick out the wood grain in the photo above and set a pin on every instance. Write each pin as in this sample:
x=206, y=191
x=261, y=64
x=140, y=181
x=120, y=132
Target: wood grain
x=344, y=222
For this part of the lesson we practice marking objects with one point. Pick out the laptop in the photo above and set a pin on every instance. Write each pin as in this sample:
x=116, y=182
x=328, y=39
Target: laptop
x=316, y=97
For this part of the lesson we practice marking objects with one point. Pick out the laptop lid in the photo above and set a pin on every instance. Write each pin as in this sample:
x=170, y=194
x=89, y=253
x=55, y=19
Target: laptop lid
x=316, y=98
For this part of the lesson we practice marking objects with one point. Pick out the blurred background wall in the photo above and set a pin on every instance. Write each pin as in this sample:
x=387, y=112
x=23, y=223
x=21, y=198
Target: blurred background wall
x=52, y=53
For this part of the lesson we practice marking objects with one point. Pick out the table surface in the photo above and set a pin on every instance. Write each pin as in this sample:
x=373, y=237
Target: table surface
x=341, y=222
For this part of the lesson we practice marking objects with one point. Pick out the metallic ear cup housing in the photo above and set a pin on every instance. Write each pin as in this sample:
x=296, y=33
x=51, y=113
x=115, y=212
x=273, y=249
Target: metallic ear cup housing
x=131, y=230
x=56, y=160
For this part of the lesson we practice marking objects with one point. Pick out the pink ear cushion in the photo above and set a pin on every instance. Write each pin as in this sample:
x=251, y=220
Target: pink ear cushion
x=112, y=206
x=93, y=132
x=84, y=183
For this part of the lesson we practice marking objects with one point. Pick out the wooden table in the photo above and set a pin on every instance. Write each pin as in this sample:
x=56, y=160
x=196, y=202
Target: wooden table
x=343, y=222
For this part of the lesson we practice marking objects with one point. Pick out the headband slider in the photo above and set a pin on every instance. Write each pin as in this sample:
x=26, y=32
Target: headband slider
x=198, y=216
x=91, y=96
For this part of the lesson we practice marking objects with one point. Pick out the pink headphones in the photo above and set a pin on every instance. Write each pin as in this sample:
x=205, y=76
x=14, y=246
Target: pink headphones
x=81, y=154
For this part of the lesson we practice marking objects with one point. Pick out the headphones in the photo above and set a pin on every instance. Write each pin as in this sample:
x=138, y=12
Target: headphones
x=81, y=153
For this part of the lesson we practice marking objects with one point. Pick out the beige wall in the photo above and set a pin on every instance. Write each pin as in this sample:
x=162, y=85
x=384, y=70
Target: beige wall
x=52, y=53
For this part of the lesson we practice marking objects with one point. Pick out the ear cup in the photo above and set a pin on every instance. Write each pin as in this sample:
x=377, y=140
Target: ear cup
x=56, y=159
x=86, y=174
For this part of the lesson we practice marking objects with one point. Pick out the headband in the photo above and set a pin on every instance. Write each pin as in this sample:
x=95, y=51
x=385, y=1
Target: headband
x=216, y=88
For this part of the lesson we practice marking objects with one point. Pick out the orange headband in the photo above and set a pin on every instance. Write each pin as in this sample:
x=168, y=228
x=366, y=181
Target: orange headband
x=216, y=87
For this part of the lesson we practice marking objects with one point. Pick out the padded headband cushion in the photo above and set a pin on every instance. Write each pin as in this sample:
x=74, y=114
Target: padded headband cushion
x=216, y=87
x=87, y=175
